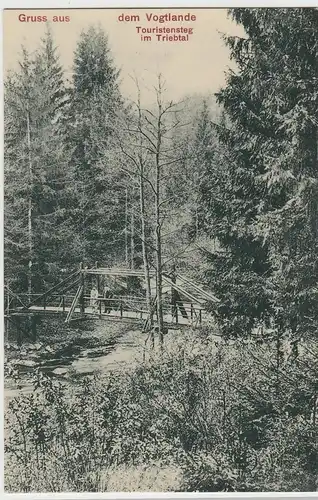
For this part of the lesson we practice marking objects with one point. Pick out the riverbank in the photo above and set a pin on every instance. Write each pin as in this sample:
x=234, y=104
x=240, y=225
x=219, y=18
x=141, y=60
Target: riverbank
x=62, y=350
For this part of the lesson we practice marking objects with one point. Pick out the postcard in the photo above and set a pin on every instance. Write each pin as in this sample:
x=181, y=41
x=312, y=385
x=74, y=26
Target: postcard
x=160, y=250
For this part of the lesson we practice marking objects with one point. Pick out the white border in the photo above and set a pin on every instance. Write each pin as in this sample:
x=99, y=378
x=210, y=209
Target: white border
x=69, y=4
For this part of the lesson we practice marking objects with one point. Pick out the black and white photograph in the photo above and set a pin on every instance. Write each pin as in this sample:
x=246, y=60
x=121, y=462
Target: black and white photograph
x=160, y=295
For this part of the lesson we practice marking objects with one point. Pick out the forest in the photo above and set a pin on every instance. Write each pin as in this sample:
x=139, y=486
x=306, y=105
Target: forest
x=222, y=188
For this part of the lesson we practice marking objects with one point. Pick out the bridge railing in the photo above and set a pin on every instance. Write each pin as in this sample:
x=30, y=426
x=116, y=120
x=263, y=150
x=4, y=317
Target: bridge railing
x=61, y=301
x=119, y=306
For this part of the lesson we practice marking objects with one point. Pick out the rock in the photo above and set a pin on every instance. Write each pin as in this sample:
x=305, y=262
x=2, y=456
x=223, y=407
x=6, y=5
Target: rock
x=26, y=362
x=49, y=349
x=60, y=371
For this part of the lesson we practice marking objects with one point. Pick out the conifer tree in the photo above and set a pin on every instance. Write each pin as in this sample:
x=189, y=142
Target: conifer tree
x=96, y=101
x=265, y=222
x=55, y=242
x=17, y=195
x=35, y=167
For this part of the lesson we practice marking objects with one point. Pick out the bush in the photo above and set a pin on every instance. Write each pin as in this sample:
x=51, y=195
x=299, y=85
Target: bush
x=222, y=416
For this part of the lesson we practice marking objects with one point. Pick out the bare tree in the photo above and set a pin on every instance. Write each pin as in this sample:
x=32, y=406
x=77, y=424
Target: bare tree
x=132, y=148
x=158, y=127
x=151, y=152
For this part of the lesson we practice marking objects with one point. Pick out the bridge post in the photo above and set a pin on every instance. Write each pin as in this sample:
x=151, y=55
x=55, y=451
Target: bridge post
x=97, y=279
x=82, y=298
x=174, y=312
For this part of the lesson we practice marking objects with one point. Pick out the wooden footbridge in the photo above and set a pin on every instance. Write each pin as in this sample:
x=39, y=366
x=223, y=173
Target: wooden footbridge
x=184, y=301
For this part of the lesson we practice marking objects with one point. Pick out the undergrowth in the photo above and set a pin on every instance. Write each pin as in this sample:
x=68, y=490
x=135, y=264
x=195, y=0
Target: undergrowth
x=210, y=417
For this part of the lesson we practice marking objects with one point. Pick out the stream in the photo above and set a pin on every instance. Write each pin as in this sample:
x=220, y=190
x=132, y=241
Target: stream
x=82, y=349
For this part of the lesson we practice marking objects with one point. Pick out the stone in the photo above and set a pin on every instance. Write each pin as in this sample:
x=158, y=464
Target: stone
x=60, y=371
x=27, y=362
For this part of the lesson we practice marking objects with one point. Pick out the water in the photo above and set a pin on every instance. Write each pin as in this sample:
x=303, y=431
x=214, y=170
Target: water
x=95, y=345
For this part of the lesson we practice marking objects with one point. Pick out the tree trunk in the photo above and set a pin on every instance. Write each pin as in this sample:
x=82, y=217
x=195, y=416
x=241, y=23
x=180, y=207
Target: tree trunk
x=8, y=314
x=174, y=313
x=279, y=358
x=144, y=246
x=143, y=218
x=126, y=229
x=30, y=242
x=132, y=239
x=196, y=221
x=158, y=228
x=159, y=280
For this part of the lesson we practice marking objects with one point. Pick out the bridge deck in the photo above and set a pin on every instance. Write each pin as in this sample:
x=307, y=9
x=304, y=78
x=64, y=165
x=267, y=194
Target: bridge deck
x=131, y=315
x=185, y=306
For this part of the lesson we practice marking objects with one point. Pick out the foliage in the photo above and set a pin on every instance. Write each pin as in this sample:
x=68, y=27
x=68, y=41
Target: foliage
x=36, y=175
x=216, y=412
x=63, y=200
x=98, y=214
x=262, y=209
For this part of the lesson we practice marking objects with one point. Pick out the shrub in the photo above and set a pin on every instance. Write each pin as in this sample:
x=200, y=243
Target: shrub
x=221, y=415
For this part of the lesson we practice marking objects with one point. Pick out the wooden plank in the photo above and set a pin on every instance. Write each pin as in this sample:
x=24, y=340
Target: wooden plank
x=70, y=286
x=76, y=298
x=183, y=291
x=14, y=296
x=116, y=272
x=204, y=293
x=55, y=287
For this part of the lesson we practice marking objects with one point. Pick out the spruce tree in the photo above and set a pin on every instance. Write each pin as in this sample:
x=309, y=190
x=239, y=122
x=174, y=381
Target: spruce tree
x=35, y=167
x=96, y=102
x=18, y=192
x=266, y=272
x=54, y=239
